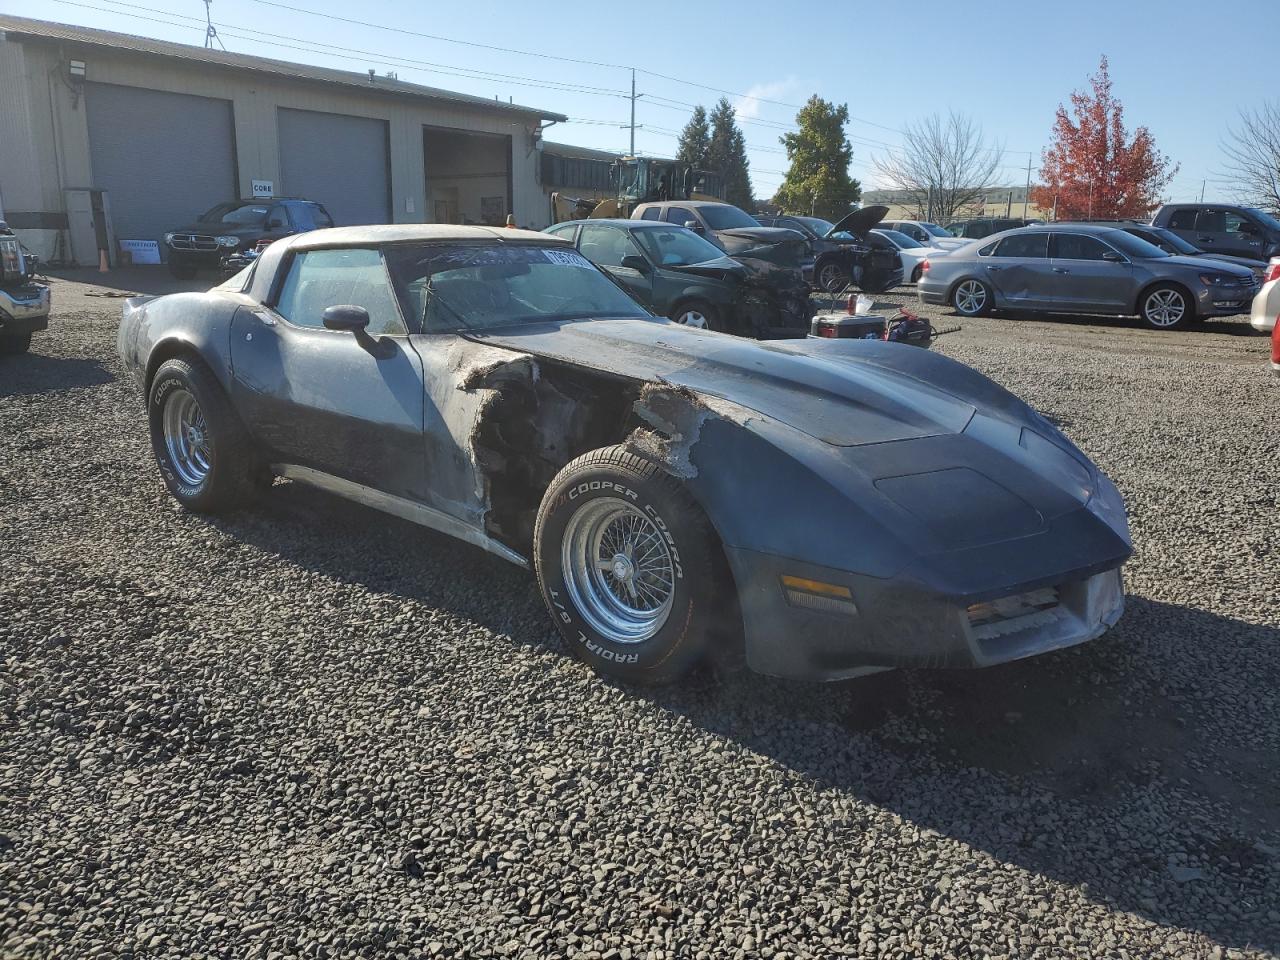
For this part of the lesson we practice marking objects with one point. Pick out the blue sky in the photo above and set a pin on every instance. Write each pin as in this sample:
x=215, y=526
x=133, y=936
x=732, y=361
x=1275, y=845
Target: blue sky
x=1008, y=64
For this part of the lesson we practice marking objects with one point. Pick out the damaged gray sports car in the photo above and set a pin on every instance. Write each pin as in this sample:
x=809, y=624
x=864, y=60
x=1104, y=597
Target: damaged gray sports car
x=836, y=506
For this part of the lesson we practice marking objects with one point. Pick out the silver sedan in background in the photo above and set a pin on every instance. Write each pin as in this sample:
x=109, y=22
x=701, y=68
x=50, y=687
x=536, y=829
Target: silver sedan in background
x=1075, y=268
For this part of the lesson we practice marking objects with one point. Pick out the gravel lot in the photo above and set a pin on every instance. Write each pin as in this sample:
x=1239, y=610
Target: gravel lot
x=309, y=730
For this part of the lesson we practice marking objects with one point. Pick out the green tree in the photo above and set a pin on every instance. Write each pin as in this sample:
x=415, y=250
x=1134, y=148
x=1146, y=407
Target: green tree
x=727, y=154
x=695, y=140
x=818, y=178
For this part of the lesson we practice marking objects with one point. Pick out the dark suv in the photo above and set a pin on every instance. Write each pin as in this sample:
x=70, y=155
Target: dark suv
x=980, y=227
x=235, y=226
x=1223, y=228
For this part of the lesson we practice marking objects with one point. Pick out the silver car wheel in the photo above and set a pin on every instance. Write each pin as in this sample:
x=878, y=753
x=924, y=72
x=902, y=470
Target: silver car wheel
x=692, y=318
x=1164, y=308
x=832, y=277
x=186, y=437
x=971, y=297
x=618, y=570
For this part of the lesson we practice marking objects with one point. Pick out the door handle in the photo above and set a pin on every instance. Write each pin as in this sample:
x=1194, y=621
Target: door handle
x=1061, y=270
x=995, y=269
x=1205, y=239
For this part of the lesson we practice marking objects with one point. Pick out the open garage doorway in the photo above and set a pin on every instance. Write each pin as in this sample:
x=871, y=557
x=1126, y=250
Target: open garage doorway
x=468, y=176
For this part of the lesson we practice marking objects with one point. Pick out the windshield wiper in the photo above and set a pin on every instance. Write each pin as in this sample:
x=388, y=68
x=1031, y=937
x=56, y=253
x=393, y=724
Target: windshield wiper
x=433, y=298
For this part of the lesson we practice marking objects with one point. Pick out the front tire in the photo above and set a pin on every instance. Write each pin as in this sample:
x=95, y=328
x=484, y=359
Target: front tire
x=204, y=454
x=1166, y=307
x=831, y=276
x=697, y=314
x=15, y=343
x=629, y=567
x=971, y=298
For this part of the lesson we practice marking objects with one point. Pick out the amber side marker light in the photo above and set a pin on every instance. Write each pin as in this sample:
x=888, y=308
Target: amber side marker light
x=816, y=595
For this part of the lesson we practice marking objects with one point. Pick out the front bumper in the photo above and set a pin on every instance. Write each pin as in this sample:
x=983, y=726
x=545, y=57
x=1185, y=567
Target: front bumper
x=24, y=309
x=903, y=623
x=1214, y=301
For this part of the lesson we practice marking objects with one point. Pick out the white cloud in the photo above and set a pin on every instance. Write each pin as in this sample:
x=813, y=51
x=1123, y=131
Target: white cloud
x=748, y=108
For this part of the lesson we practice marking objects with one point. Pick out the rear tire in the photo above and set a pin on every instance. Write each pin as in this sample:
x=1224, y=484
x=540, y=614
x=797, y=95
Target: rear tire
x=203, y=451
x=971, y=298
x=1167, y=307
x=629, y=567
x=15, y=343
x=831, y=276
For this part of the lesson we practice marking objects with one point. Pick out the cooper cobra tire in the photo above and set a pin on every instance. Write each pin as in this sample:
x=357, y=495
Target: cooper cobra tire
x=610, y=515
x=15, y=343
x=203, y=451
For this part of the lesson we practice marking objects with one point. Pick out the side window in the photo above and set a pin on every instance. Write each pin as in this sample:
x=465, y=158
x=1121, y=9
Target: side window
x=1238, y=224
x=327, y=278
x=278, y=213
x=1183, y=220
x=653, y=213
x=563, y=230
x=605, y=246
x=679, y=215
x=1024, y=245
x=987, y=250
x=1211, y=221
x=1076, y=246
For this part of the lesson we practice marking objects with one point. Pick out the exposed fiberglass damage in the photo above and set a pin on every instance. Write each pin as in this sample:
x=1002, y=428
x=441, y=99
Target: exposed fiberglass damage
x=517, y=420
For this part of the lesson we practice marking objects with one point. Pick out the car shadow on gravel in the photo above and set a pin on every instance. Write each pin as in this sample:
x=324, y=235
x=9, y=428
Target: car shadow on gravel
x=1132, y=768
x=1112, y=767
x=31, y=374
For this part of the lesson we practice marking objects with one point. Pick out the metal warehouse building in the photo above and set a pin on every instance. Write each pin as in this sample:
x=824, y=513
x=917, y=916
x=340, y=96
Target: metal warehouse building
x=106, y=137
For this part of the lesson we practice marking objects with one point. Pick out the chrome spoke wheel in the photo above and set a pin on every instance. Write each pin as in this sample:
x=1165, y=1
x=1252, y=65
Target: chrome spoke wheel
x=831, y=278
x=1165, y=308
x=618, y=570
x=186, y=437
x=693, y=318
x=971, y=296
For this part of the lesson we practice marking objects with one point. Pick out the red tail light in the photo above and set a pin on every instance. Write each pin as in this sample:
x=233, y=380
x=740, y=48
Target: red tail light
x=1273, y=270
x=1275, y=342
x=924, y=268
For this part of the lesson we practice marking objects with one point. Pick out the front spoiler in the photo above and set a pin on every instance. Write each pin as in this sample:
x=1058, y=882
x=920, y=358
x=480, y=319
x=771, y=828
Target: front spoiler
x=900, y=623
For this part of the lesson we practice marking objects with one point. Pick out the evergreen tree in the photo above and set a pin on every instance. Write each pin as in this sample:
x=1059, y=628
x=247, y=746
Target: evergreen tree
x=727, y=155
x=695, y=140
x=818, y=178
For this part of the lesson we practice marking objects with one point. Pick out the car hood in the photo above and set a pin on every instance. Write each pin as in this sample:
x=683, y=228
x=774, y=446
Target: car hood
x=1256, y=266
x=720, y=267
x=838, y=399
x=220, y=229
x=1205, y=264
x=762, y=235
x=859, y=221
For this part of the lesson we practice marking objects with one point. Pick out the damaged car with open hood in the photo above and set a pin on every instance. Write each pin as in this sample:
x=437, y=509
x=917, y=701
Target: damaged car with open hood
x=836, y=507
x=848, y=253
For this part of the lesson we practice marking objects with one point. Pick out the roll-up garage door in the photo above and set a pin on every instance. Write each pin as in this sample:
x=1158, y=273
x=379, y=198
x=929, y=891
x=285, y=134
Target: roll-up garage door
x=163, y=158
x=338, y=161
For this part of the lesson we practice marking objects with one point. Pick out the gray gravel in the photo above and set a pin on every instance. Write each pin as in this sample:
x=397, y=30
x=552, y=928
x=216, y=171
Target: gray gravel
x=308, y=730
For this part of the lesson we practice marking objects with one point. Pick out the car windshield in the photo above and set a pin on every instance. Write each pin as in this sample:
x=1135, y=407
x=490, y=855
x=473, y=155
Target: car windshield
x=934, y=230
x=676, y=246
x=1267, y=219
x=1133, y=246
x=241, y=214
x=817, y=225
x=485, y=286
x=727, y=218
x=900, y=240
x=1167, y=241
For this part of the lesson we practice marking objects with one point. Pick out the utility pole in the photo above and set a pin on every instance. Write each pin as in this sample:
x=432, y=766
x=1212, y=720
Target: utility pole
x=633, y=111
x=1027, y=196
x=1202, y=183
x=1091, y=198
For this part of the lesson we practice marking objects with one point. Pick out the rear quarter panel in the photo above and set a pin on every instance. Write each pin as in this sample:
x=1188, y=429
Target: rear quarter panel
x=195, y=324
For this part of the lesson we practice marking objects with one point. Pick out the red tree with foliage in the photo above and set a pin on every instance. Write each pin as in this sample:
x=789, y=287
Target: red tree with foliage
x=1094, y=169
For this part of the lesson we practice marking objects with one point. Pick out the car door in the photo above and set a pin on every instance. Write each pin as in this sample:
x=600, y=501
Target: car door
x=1020, y=270
x=1089, y=275
x=344, y=403
x=607, y=246
x=1241, y=236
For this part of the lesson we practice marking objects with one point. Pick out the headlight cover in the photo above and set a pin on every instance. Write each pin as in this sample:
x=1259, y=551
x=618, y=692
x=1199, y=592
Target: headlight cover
x=1108, y=506
x=228, y=241
x=1215, y=279
x=168, y=238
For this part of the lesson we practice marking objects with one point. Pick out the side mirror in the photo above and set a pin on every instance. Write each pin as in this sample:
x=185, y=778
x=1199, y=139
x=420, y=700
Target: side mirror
x=346, y=316
x=633, y=261
x=694, y=225
x=1112, y=257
